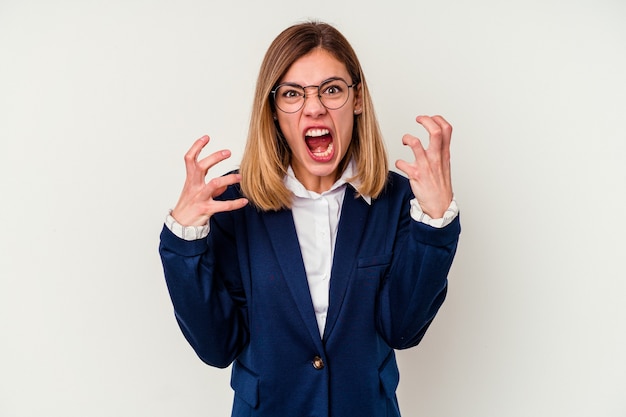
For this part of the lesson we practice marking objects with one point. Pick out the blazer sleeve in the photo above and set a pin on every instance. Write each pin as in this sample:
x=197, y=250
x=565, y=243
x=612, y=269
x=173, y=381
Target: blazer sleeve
x=208, y=301
x=416, y=285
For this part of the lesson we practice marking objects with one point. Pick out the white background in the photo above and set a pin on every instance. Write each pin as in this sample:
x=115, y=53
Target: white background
x=99, y=100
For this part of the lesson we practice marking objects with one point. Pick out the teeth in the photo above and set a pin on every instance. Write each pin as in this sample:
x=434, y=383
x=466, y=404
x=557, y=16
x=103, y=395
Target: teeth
x=317, y=132
x=326, y=153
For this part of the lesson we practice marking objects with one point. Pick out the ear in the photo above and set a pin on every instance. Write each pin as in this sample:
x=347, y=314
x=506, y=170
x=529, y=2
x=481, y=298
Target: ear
x=358, y=100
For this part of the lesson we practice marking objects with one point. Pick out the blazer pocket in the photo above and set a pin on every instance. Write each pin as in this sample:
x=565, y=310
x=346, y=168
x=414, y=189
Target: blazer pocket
x=245, y=384
x=373, y=266
x=389, y=376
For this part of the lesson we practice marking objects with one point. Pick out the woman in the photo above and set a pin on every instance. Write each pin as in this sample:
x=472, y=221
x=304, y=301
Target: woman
x=306, y=269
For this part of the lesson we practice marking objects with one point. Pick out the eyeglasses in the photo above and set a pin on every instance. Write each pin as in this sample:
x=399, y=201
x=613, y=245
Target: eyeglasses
x=333, y=94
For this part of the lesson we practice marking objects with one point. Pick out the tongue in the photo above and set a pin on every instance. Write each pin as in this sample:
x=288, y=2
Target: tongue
x=319, y=143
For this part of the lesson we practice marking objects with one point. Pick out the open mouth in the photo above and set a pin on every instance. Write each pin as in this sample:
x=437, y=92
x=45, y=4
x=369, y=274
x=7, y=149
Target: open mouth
x=320, y=144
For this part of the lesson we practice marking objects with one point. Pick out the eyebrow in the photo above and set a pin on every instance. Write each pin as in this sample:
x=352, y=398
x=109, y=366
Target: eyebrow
x=294, y=84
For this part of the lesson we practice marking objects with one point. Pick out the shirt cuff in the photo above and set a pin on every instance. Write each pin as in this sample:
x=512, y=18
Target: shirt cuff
x=186, y=232
x=418, y=215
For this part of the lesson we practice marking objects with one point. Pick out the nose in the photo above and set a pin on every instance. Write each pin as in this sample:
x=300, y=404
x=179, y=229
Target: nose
x=312, y=102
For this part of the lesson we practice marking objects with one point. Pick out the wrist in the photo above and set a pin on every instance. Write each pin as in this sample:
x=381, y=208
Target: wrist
x=191, y=232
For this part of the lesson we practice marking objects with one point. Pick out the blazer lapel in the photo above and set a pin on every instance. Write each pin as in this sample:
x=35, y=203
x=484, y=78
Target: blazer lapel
x=351, y=226
x=282, y=232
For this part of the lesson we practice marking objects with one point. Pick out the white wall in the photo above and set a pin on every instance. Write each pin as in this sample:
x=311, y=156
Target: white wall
x=100, y=100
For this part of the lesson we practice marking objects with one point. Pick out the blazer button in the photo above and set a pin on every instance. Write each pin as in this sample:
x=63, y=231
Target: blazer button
x=318, y=363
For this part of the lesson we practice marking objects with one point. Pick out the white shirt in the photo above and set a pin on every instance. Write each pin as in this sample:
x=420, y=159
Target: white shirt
x=316, y=217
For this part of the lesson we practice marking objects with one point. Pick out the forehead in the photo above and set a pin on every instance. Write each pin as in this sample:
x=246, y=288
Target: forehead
x=315, y=67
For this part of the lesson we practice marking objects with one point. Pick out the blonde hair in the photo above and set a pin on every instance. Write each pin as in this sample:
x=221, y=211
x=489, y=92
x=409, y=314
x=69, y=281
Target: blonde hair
x=267, y=155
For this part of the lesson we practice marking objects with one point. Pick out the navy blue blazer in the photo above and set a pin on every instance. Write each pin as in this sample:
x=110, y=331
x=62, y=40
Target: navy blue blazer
x=241, y=297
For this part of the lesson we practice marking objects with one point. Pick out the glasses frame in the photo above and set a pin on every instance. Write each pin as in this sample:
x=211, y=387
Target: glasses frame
x=319, y=96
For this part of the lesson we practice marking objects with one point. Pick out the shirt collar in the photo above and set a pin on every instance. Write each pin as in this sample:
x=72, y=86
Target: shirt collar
x=296, y=187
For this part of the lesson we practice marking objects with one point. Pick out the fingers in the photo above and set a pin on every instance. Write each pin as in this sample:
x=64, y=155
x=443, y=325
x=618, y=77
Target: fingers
x=439, y=131
x=197, y=202
x=415, y=144
x=229, y=205
x=216, y=157
x=413, y=170
x=218, y=185
x=191, y=157
x=429, y=173
x=214, y=188
x=197, y=168
x=405, y=167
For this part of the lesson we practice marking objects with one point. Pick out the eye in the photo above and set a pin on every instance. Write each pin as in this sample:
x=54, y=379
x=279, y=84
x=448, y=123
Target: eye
x=332, y=89
x=290, y=92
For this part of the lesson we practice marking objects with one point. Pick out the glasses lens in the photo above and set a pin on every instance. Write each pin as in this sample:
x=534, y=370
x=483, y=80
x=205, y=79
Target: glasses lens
x=289, y=98
x=334, y=93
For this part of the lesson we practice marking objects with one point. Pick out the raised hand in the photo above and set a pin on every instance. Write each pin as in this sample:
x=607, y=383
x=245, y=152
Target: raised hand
x=196, y=204
x=429, y=175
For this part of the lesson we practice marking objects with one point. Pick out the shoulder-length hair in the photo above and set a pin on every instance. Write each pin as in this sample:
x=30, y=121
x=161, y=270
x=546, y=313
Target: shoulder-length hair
x=267, y=155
